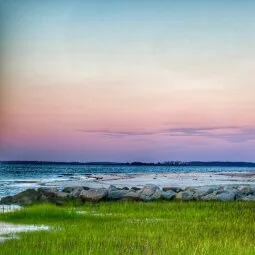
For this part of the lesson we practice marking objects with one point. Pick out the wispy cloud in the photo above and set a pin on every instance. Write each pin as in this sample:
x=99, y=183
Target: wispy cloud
x=119, y=133
x=229, y=133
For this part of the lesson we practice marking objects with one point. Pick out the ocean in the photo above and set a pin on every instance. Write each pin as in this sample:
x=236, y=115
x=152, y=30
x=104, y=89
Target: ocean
x=17, y=177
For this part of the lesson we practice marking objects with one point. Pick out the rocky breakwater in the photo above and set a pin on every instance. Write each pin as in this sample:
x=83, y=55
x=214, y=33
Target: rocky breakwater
x=149, y=192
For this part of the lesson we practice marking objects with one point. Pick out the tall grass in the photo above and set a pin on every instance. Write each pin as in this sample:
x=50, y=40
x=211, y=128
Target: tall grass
x=137, y=228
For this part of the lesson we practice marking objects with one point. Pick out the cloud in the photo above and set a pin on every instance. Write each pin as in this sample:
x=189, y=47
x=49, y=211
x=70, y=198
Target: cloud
x=228, y=133
x=119, y=133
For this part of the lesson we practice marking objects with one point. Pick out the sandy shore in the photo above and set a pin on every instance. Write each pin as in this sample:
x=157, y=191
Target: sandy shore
x=160, y=179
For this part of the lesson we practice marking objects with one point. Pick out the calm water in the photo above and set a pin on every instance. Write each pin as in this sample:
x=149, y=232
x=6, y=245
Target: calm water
x=17, y=177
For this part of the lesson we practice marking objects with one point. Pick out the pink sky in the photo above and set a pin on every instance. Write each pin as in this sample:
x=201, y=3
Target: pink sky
x=161, y=88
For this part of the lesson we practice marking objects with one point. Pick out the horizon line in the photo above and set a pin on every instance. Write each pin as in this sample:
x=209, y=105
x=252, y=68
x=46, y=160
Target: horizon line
x=127, y=162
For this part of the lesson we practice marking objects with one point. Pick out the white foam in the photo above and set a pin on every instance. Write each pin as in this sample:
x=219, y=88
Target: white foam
x=25, y=185
x=22, y=180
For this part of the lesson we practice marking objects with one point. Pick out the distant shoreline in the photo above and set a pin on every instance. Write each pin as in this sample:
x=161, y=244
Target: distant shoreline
x=168, y=163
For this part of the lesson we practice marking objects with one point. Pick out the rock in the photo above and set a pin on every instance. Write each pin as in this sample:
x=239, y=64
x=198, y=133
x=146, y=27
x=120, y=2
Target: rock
x=168, y=195
x=212, y=196
x=47, y=190
x=62, y=194
x=112, y=187
x=203, y=191
x=150, y=192
x=46, y=194
x=75, y=193
x=248, y=198
x=26, y=197
x=135, y=188
x=69, y=189
x=185, y=195
x=229, y=187
x=131, y=195
x=75, y=190
x=116, y=194
x=174, y=189
x=43, y=198
x=7, y=200
x=190, y=188
x=246, y=190
x=226, y=196
x=94, y=194
x=53, y=196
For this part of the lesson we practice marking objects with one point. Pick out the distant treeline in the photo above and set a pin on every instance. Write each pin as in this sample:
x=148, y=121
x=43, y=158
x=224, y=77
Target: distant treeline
x=166, y=163
x=195, y=163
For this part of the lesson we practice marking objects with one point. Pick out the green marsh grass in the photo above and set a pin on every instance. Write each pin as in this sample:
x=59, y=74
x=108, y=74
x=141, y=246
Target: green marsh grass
x=136, y=228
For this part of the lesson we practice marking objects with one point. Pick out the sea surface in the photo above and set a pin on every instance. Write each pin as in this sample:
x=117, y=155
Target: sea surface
x=16, y=177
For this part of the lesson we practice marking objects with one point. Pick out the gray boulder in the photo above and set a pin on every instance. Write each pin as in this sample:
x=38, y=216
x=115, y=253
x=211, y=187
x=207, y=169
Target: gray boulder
x=7, y=200
x=112, y=187
x=245, y=190
x=203, y=191
x=226, y=196
x=229, y=187
x=174, y=189
x=185, y=195
x=71, y=189
x=68, y=189
x=212, y=196
x=53, y=196
x=115, y=194
x=43, y=198
x=131, y=195
x=248, y=198
x=150, y=192
x=135, y=189
x=168, y=195
x=26, y=197
x=47, y=190
x=62, y=194
x=75, y=193
x=94, y=194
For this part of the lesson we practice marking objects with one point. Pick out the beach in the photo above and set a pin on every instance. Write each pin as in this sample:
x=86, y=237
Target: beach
x=159, y=179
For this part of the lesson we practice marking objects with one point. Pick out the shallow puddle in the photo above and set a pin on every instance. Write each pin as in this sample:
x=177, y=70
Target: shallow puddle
x=9, y=208
x=95, y=213
x=9, y=231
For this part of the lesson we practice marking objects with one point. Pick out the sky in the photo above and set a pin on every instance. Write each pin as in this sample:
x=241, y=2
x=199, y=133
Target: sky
x=127, y=80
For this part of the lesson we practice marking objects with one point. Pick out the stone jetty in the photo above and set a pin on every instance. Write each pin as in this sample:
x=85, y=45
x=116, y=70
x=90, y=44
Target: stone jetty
x=149, y=192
